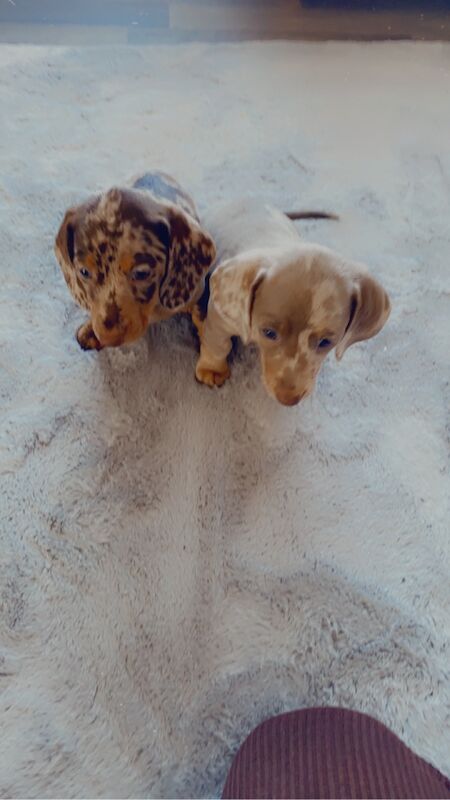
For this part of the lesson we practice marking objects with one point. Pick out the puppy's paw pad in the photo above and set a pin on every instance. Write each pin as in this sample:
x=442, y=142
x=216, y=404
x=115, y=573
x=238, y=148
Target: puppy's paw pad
x=87, y=339
x=210, y=377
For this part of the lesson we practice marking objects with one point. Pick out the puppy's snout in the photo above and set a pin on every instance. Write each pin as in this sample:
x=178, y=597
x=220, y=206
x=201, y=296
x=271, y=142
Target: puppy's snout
x=110, y=341
x=289, y=398
x=109, y=326
x=108, y=335
x=111, y=317
x=292, y=401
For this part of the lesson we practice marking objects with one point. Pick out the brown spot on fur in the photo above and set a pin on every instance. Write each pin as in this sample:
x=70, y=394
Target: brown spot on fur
x=127, y=263
x=112, y=232
x=205, y=255
x=112, y=316
x=140, y=214
x=179, y=227
x=89, y=261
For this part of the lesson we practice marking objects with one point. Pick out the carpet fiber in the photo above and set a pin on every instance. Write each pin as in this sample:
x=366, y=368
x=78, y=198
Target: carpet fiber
x=178, y=564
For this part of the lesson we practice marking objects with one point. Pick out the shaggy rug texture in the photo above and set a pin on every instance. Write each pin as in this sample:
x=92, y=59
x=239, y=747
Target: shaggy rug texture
x=177, y=564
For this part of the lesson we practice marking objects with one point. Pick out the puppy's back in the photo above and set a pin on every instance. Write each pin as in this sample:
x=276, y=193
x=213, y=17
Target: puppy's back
x=164, y=187
x=247, y=224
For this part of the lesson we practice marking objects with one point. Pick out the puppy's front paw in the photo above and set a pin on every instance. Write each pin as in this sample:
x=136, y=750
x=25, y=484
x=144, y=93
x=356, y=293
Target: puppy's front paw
x=212, y=377
x=86, y=338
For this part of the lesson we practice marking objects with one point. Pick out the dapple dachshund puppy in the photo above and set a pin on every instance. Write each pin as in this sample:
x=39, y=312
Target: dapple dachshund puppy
x=296, y=301
x=132, y=257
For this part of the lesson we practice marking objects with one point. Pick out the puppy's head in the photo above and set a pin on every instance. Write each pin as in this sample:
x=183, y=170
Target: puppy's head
x=129, y=259
x=297, y=307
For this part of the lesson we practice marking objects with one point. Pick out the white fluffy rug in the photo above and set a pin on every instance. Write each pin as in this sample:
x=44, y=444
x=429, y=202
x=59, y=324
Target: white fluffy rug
x=178, y=564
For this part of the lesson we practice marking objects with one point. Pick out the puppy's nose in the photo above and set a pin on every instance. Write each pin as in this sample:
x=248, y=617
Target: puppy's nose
x=288, y=399
x=291, y=401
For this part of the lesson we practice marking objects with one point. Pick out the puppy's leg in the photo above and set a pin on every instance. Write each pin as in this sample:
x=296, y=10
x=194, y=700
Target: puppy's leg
x=198, y=319
x=215, y=344
x=86, y=337
x=211, y=371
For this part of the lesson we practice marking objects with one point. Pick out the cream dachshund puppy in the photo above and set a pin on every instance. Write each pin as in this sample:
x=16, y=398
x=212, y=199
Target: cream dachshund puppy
x=296, y=301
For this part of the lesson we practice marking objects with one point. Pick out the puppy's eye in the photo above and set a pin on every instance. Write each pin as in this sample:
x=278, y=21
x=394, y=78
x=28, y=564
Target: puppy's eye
x=323, y=344
x=140, y=274
x=85, y=272
x=270, y=333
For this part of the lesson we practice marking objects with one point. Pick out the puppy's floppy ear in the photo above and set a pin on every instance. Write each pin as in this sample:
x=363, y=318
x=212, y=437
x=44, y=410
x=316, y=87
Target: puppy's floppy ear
x=190, y=253
x=65, y=238
x=65, y=247
x=369, y=310
x=233, y=289
x=65, y=253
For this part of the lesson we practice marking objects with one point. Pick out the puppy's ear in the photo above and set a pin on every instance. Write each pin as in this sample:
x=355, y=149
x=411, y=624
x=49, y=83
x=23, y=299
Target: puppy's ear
x=233, y=289
x=65, y=247
x=190, y=253
x=369, y=309
x=65, y=253
x=65, y=238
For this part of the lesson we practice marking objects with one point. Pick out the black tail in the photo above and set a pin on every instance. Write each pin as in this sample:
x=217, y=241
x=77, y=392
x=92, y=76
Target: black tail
x=310, y=215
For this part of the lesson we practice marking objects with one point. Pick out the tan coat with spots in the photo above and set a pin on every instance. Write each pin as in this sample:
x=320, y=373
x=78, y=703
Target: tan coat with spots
x=295, y=301
x=132, y=257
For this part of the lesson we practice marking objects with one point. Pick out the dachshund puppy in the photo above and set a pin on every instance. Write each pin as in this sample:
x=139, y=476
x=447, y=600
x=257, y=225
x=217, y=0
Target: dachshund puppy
x=131, y=257
x=295, y=301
